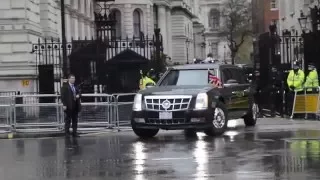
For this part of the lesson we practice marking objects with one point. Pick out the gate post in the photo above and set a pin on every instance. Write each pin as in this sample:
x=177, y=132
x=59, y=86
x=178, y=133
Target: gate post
x=158, y=50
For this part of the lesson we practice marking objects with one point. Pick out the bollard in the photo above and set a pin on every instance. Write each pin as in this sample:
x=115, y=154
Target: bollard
x=100, y=91
x=95, y=90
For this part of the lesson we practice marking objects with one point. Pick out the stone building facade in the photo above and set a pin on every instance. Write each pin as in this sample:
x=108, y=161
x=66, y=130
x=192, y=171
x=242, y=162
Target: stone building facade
x=216, y=43
x=23, y=22
x=290, y=11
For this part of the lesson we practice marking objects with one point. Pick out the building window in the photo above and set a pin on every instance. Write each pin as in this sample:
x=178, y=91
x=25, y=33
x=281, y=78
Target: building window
x=136, y=23
x=273, y=4
x=116, y=14
x=214, y=19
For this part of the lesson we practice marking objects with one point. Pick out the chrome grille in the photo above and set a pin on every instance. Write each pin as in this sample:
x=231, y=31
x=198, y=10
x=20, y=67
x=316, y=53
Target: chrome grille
x=166, y=122
x=173, y=103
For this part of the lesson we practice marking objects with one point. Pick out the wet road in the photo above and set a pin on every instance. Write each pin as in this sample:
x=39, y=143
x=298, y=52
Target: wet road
x=255, y=154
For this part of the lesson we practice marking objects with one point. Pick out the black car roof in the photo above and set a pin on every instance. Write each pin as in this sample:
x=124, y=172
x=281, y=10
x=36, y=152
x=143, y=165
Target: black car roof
x=202, y=66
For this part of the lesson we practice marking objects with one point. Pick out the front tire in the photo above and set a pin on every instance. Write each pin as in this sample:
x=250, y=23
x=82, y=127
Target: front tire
x=145, y=133
x=219, y=120
x=250, y=119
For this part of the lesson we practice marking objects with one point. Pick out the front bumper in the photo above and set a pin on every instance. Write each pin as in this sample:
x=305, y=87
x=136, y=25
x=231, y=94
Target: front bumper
x=180, y=120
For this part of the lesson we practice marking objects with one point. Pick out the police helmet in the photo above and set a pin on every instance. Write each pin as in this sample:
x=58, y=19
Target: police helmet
x=311, y=65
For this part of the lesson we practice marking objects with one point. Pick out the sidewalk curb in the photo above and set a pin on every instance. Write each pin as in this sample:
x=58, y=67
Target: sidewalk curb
x=30, y=135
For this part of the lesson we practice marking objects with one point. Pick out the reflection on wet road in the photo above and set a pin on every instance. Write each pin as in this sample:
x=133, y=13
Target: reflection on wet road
x=236, y=155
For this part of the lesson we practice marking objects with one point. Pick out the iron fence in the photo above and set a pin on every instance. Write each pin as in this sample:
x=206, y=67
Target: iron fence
x=44, y=112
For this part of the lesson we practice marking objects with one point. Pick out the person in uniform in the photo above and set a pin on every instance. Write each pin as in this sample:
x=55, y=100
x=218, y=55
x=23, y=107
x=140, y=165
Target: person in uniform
x=295, y=81
x=145, y=80
x=312, y=79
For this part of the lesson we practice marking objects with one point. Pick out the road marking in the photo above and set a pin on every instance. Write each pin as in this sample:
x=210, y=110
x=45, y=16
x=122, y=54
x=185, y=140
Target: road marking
x=166, y=159
x=97, y=133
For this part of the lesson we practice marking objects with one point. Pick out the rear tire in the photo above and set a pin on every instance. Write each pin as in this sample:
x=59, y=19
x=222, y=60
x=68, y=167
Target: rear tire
x=219, y=120
x=250, y=119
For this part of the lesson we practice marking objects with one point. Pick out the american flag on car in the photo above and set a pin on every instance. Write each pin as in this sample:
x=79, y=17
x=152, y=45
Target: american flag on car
x=213, y=79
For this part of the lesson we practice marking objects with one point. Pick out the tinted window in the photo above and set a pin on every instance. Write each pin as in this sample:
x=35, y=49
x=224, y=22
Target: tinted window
x=238, y=75
x=226, y=73
x=186, y=77
x=234, y=74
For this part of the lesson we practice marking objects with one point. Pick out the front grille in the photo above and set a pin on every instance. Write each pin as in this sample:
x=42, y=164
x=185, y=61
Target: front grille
x=166, y=122
x=167, y=103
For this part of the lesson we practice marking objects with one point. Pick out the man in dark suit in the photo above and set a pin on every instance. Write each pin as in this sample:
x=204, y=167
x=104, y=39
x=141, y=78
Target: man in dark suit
x=70, y=97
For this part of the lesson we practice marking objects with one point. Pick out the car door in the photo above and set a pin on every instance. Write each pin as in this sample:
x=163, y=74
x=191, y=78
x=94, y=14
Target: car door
x=236, y=91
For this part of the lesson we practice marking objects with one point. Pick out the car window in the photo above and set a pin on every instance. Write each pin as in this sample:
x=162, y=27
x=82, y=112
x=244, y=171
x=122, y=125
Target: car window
x=238, y=75
x=233, y=74
x=226, y=74
x=186, y=77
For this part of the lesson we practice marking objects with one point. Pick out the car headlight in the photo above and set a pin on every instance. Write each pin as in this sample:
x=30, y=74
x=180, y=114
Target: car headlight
x=201, y=101
x=137, y=103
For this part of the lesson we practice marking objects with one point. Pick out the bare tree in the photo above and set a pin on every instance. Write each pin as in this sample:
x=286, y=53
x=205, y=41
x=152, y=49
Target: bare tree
x=237, y=26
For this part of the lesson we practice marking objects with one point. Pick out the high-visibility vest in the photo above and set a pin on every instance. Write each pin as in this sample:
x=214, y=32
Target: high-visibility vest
x=312, y=80
x=144, y=81
x=296, y=80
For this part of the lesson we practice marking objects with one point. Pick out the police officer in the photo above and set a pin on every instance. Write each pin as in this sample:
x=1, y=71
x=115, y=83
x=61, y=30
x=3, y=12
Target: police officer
x=153, y=75
x=295, y=82
x=312, y=79
x=145, y=80
x=274, y=85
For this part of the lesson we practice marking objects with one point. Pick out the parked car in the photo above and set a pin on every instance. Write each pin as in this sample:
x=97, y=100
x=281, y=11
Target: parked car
x=183, y=99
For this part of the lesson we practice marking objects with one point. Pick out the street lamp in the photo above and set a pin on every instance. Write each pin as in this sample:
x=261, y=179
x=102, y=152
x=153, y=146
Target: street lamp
x=187, y=47
x=65, y=63
x=303, y=20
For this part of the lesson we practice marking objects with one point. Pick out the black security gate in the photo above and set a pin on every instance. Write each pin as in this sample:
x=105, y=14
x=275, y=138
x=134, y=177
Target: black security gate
x=280, y=51
x=106, y=60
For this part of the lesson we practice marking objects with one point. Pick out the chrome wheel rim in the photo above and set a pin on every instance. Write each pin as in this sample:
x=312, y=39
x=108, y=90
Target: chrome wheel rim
x=219, y=118
x=255, y=111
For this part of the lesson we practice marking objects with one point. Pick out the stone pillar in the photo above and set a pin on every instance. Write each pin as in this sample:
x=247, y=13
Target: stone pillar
x=82, y=32
x=162, y=14
x=169, y=33
x=75, y=34
x=68, y=25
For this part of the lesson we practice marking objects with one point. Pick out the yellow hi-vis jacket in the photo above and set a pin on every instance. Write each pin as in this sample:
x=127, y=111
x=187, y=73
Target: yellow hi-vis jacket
x=296, y=80
x=144, y=81
x=312, y=80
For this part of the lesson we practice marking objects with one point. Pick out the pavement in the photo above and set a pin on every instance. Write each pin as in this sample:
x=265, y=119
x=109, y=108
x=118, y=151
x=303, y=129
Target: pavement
x=276, y=149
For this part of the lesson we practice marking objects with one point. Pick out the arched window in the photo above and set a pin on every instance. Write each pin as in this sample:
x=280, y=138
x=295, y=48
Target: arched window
x=136, y=23
x=117, y=16
x=214, y=19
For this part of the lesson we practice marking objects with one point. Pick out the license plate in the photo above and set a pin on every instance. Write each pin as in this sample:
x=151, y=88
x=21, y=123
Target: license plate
x=165, y=115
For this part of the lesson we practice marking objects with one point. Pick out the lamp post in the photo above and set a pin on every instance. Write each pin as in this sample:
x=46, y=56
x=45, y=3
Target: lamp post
x=187, y=48
x=303, y=20
x=65, y=63
x=315, y=18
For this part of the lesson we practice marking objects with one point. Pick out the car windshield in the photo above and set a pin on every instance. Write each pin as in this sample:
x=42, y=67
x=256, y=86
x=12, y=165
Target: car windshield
x=186, y=77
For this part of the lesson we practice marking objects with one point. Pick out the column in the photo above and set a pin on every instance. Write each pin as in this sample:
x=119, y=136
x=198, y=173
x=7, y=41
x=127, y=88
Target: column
x=163, y=26
x=75, y=27
x=169, y=32
x=68, y=20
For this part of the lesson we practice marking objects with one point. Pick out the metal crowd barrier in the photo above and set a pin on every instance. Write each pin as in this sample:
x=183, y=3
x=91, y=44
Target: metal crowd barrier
x=44, y=112
x=5, y=113
x=99, y=114
x=307, y=102
x=124, y=103
x=37, y=112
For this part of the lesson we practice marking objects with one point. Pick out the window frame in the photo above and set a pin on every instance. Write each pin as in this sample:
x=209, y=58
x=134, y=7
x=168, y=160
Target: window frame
x=273, y=5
